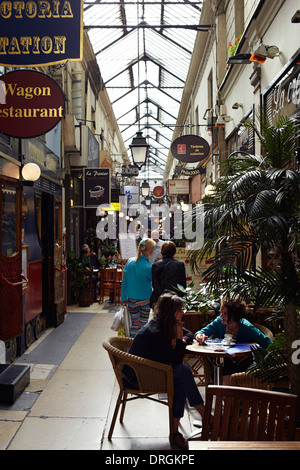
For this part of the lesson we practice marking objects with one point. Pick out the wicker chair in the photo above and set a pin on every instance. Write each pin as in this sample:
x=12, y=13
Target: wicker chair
x=245, y=414
x=242, y=379
x=153, y=378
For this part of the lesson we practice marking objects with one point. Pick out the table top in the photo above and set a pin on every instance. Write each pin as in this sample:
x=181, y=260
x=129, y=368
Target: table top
x=207, y=350
x=241, y=445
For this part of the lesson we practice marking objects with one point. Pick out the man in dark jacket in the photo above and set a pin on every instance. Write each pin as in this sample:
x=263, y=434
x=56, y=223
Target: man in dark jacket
x=167, y=273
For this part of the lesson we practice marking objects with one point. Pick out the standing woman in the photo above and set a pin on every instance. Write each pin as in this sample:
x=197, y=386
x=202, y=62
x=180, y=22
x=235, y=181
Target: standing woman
x=137, y=286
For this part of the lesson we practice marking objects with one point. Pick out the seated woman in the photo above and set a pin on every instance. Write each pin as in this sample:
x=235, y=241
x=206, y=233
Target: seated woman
x=164, y=339
x=232, y=321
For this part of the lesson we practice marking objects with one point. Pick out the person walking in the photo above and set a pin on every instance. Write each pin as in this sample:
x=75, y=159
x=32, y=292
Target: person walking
x=167, y=273
x=156, y=255
x=137, y=286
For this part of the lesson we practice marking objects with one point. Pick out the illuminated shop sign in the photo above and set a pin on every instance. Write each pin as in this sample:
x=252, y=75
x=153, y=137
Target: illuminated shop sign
x=40, y=32
x=31, y=105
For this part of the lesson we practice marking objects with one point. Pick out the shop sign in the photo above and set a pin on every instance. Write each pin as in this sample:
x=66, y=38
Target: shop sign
x=179, y=187
x=190, y=148
x=35, y=33
x=129, y=170
x=96, y=186
x=131, y=193
x=158, y=192
x=189, y=171
x=31, y=105
x=284, y=97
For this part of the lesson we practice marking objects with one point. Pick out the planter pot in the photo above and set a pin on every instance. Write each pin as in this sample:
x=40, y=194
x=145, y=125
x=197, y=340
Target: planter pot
x=84, y=297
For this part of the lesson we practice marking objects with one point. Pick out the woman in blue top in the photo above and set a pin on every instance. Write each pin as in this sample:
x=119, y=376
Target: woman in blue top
x=231, y=321
x=137, y=286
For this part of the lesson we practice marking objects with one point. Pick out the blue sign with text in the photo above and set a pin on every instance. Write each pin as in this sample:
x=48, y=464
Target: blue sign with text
x=34, y=32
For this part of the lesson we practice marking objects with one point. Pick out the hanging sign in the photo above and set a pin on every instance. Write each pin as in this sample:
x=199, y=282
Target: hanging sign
x=178, y=187
x=190, y=148
x=35, y=33
x=158, y=192
x=32, y=103
x=189, y=171
x=96, y=186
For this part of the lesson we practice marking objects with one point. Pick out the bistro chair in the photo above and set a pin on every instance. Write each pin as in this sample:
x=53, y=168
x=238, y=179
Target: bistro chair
x=108, y=284
x=119, y=277
x=153, y=378
x=248, y=414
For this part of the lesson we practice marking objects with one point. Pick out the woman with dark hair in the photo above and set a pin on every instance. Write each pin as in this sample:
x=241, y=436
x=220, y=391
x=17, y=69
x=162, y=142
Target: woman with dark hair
x=167, y=273
x=164, y=340
x=232, y=321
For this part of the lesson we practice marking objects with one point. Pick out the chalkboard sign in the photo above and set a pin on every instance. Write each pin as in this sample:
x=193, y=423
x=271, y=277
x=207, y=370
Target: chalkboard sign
x=127, y=243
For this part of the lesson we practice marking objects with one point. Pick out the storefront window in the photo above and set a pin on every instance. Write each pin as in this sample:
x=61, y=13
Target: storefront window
x=9, y=221
x=283, y=99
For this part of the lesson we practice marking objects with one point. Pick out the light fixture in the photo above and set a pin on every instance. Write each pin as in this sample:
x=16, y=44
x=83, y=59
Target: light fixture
x=296, y=17
x=139, y=149
x=263, y=53
x=239, y=59
x=31, y=172
x=222, y=120
x=148, y=201
x=237, y=105
x=210, y=190
x=145, y=189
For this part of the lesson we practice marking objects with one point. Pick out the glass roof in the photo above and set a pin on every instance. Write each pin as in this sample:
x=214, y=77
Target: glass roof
x=144, y=50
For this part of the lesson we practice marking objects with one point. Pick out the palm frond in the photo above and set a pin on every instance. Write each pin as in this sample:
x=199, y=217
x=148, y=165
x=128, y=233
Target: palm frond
x=269, y=366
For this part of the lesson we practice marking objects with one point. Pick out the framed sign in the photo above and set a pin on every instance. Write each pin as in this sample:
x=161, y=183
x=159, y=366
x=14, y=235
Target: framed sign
x=179, y=187
x=96, y=187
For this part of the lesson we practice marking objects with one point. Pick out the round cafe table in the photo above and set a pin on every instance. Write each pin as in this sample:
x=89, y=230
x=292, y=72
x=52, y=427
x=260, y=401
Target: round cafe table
x=217, y=352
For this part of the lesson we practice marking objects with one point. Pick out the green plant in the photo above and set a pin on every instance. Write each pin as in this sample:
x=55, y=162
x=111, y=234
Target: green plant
x=77, y=269
x=270, y=365
x=255, y=208
x=200, y=300
x=233, y=47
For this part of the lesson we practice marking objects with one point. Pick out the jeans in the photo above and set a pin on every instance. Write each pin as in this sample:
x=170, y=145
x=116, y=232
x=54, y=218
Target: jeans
x=184, y=388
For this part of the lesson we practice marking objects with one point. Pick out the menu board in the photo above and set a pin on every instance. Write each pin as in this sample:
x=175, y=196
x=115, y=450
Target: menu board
x=127, y=242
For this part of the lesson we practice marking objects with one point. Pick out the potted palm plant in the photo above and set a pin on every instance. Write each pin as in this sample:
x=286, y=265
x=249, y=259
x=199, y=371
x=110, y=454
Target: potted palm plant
x=255, y=207
x=79, y=280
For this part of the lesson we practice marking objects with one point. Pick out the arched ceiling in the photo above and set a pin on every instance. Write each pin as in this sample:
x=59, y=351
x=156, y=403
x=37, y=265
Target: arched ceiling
x=144, y=50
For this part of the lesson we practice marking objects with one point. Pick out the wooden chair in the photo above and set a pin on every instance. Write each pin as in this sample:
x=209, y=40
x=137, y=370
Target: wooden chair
x=153, y=378
x=119, y=277
x=108, y=284
x=248, y=414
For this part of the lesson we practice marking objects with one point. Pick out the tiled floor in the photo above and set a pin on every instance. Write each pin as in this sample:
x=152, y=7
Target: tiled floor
x=72, y=393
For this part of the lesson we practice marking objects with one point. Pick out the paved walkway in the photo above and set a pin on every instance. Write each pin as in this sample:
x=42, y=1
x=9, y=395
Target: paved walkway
x=72, y=393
